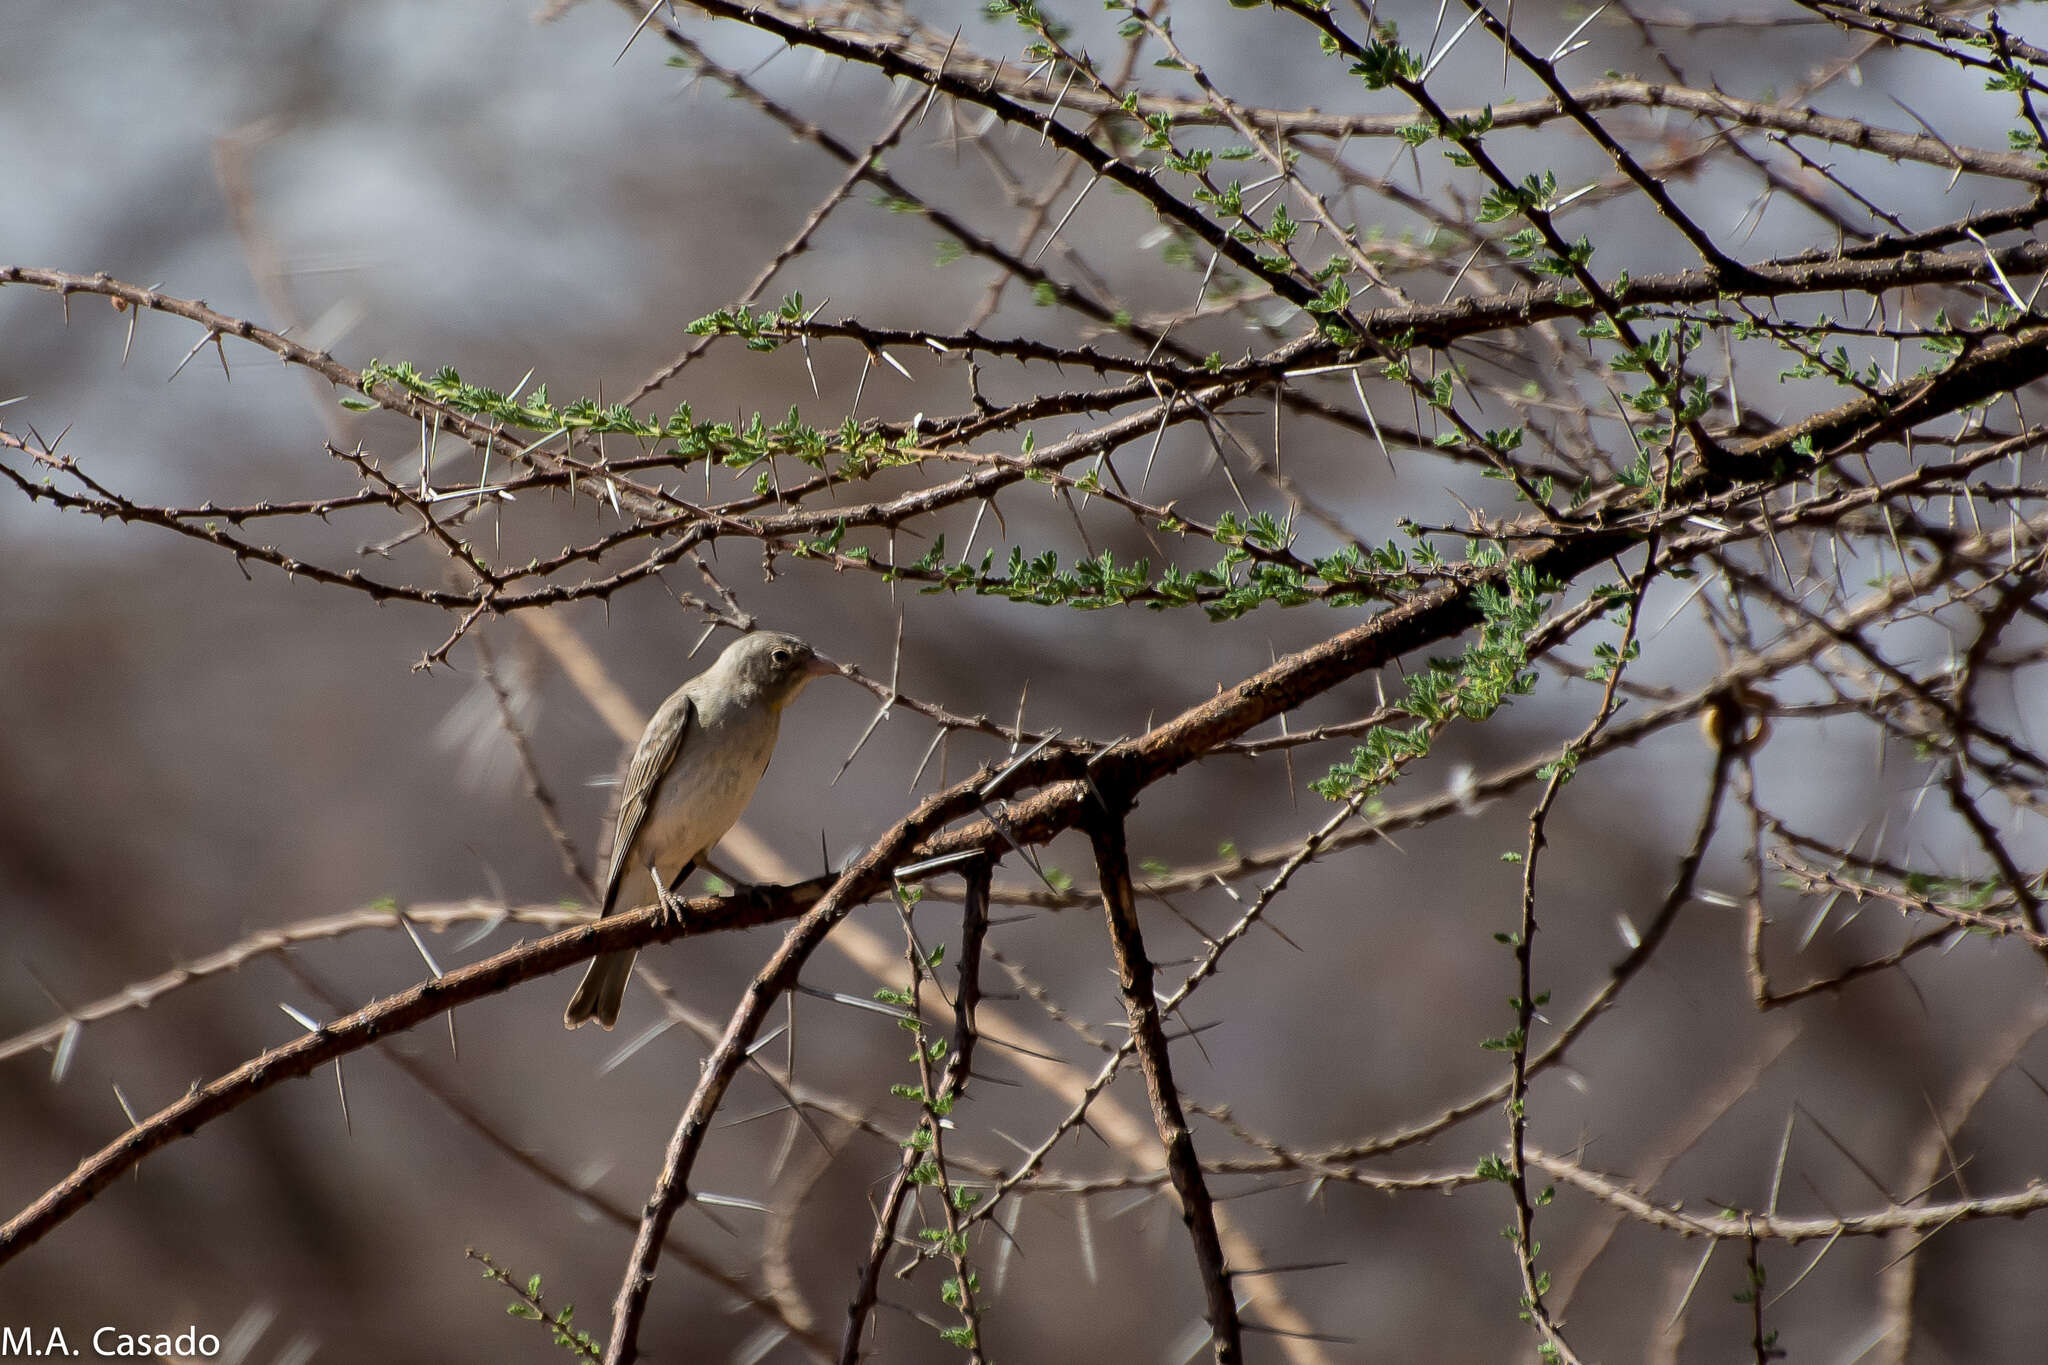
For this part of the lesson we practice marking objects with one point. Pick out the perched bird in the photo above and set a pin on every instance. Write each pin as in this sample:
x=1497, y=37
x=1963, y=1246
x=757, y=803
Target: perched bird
x=692, y=774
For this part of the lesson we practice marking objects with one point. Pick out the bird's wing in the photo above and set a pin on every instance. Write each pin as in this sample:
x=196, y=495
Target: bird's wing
x=652, y=761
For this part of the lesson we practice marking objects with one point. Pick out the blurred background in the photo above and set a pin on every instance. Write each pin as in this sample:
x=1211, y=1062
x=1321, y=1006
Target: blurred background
x=190, y=754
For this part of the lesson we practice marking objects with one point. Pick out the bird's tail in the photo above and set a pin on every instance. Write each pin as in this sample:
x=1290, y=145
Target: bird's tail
x=604, y=986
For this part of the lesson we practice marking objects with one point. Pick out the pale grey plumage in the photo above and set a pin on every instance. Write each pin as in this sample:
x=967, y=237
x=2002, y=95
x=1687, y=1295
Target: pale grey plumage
x=693, y=772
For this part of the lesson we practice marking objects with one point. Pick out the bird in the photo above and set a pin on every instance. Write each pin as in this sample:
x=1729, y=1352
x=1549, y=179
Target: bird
x=692, y=773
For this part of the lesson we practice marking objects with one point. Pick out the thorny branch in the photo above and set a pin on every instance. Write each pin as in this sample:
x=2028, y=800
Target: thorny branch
x=1605, y=406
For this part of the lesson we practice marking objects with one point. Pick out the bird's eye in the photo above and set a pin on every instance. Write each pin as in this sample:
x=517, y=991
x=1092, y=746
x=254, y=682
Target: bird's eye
x=780, y=656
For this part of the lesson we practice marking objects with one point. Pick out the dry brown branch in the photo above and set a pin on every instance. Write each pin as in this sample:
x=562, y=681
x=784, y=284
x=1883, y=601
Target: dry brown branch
x=1149, y=1042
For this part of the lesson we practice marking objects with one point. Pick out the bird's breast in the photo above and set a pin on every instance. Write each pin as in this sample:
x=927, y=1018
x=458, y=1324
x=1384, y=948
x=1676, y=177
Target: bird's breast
x=713, y=779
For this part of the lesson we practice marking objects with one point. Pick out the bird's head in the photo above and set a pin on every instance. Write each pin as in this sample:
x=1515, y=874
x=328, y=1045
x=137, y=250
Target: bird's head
x=774, y=664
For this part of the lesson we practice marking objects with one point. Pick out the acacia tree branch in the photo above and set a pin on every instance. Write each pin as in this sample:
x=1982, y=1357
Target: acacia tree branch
x=380, y=1019
x=959, y=1061
x=1148, y=1034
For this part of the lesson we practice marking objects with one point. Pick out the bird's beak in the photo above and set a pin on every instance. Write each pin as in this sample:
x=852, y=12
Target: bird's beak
x=820, y=667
